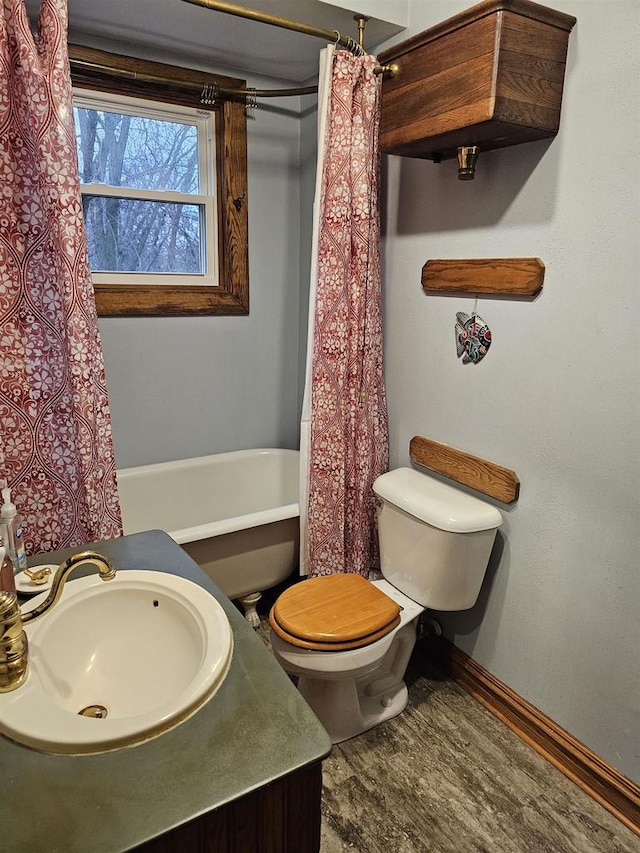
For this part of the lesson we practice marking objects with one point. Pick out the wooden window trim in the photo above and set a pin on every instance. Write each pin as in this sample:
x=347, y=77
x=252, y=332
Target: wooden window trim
x=231, y=296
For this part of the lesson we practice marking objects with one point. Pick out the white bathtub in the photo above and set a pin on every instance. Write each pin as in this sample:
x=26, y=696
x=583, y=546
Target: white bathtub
x=236, y=514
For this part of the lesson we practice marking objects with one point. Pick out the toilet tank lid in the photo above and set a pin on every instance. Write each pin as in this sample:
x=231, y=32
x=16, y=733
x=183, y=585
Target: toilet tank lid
x=436, y=503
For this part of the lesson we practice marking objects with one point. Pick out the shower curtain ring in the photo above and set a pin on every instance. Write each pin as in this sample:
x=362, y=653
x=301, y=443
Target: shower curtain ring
x=209, y=94
x=251, y=101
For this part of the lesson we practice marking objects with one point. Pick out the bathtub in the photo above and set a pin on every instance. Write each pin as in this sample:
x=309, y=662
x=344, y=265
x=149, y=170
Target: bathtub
x=236, y=514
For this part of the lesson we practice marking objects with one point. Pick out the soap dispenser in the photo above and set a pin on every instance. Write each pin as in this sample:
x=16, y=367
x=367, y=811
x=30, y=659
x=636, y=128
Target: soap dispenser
x=11, y=532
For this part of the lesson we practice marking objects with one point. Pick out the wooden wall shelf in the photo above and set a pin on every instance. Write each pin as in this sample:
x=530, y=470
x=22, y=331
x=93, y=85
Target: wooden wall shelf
x=486, y=276
x=480, y=474
x=491, y=76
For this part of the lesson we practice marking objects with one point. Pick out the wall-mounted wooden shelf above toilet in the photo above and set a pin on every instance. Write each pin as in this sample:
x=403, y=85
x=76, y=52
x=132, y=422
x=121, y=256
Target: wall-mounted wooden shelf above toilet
x=479, y=474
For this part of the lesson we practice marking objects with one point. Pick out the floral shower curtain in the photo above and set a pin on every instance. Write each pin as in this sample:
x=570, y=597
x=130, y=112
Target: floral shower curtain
x=344, y=436
x=56, y=448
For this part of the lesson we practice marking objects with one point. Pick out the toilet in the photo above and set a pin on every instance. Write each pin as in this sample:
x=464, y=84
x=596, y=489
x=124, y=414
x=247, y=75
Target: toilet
x=347, y=639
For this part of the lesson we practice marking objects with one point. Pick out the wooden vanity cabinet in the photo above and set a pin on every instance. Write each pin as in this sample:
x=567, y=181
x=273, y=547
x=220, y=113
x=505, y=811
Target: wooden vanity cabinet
x=491, y=76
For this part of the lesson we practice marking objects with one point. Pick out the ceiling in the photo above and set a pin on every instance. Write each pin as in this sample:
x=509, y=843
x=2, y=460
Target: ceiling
x=174, y=29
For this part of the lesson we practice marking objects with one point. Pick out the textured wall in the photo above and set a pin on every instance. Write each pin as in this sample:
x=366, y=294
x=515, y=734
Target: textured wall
x=557, y=397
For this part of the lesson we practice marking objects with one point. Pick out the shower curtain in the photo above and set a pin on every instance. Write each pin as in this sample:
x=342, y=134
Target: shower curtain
x=56, y=448
x=344, y=436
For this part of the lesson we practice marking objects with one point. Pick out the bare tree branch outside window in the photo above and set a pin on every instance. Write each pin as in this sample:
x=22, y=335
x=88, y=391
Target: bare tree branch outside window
x=136, y=235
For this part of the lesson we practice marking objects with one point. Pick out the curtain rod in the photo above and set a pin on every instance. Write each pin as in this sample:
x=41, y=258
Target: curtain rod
x=276, y=21
x=334, y=36
x=210, y=92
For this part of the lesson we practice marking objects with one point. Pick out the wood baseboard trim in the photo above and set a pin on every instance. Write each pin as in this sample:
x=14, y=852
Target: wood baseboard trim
x=618, y=794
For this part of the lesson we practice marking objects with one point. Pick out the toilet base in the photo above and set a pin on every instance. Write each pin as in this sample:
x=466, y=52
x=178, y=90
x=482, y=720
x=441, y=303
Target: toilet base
x=352, y=691
x=349, y=708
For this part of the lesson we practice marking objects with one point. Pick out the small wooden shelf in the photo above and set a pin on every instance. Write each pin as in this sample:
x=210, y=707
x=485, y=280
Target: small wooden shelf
x=480, y=474
x=487, y=276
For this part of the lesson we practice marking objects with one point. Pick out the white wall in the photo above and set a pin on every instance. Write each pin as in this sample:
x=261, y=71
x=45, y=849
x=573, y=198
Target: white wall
x=557, y=397
x=187, y=386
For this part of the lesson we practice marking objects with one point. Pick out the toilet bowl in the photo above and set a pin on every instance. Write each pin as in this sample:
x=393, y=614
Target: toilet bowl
x=348, y=640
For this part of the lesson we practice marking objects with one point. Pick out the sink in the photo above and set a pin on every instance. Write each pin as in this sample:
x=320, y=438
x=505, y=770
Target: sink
x=113, y=664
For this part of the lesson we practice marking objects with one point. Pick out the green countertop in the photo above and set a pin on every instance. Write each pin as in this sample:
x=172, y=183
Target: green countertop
x=254, y=730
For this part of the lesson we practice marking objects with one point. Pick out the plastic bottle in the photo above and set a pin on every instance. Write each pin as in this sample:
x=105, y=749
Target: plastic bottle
x=11, y=532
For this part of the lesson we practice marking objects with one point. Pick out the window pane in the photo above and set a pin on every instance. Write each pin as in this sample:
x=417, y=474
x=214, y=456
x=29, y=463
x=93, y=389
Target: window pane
x=128, y=235
x=132, y=151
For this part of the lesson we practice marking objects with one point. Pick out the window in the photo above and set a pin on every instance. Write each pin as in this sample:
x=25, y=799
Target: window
x=147, y=182
x=164, y=187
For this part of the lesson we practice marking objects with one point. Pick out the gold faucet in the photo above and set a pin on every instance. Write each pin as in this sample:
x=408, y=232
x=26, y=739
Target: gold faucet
x=14, y=653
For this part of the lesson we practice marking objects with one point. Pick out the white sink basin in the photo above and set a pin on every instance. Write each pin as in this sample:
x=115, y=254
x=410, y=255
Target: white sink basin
x=137, y=654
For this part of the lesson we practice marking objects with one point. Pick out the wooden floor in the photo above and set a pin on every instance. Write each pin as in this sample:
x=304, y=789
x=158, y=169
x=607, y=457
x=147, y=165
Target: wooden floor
x=446, y=776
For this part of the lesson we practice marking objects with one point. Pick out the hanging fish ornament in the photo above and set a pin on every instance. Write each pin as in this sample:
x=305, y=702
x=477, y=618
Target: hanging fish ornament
x=473, y=337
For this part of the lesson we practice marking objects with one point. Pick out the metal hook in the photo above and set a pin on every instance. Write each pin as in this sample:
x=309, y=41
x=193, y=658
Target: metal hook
x=210, y=93
x=251, y=101
x=355, y=48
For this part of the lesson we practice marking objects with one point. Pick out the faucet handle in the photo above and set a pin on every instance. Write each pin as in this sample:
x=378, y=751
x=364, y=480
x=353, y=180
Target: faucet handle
x=38, y=576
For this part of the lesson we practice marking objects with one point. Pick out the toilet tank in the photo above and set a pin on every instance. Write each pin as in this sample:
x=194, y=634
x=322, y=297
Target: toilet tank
x=435, y=540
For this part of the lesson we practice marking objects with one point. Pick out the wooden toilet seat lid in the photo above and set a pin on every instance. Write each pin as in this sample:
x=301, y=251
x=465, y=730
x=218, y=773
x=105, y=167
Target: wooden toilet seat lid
x=334, y=613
